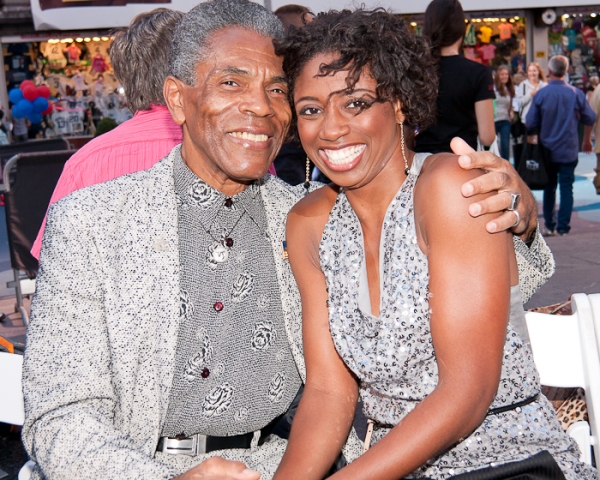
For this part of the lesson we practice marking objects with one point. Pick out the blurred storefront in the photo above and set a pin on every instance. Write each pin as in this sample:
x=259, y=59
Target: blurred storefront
x=76, y=68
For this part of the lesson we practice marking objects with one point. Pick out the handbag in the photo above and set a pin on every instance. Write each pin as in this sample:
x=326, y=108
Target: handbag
x=532, y=167
x=492, y=148
x=541, y=466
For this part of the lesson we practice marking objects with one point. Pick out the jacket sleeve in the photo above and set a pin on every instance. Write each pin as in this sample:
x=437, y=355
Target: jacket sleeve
x=71, y=429
x=536, y=264
x=523, y=96
x=587, y=116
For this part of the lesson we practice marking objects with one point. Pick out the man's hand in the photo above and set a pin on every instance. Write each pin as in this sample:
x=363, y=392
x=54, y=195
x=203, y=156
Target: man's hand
x=502, y=178
x=217, y=468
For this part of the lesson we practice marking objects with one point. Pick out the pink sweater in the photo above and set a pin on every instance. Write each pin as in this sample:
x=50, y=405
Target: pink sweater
x=135, y=145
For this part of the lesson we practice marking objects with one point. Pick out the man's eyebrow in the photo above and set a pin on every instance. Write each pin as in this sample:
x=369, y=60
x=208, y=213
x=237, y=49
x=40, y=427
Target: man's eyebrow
x=236, y=71
x=279, y=79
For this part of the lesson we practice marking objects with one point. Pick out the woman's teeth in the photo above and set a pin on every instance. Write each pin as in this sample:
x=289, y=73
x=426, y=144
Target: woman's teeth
x=250, y=136
x=344, y=155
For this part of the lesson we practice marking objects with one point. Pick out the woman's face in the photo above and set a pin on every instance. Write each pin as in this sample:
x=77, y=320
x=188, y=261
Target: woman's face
x=532, y=74
x=503, y=75
x=350, y=137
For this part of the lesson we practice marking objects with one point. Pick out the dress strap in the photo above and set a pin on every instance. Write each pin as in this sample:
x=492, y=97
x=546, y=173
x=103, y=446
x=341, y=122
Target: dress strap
x=417, y=163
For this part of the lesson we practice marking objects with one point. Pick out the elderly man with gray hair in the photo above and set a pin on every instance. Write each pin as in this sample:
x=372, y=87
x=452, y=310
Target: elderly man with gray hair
x=555, y=112
x=166, y=325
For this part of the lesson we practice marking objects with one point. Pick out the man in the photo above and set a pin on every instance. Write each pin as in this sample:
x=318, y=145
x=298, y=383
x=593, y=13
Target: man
x=166, y=324
x=556, y=111
x=139, y=55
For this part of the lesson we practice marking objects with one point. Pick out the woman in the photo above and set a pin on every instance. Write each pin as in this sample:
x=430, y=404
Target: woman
x=536, y=79
x=504, y=113
x=465, y=106
x=404, y=297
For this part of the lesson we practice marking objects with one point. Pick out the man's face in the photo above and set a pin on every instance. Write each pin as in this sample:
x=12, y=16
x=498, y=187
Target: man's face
x=236, y=116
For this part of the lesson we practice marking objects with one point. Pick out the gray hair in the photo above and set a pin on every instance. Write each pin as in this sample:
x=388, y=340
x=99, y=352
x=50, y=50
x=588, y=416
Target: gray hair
x=558, y=65
x=139, y=56
x=191, y=40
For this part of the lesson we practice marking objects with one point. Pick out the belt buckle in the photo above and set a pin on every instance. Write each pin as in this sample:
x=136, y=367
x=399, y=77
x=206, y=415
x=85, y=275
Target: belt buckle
x=193, y=445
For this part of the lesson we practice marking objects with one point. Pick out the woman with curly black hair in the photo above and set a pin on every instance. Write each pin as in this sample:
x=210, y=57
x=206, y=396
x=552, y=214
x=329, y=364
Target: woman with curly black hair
x=406, y=299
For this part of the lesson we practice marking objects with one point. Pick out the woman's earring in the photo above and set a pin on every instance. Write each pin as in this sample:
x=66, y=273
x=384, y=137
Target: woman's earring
x=403, y=144
x=307, y=181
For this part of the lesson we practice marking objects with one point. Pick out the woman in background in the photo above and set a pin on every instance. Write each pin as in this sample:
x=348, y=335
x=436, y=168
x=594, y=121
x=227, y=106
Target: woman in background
x=465, y=106
x=503, y=115
x=536, y=79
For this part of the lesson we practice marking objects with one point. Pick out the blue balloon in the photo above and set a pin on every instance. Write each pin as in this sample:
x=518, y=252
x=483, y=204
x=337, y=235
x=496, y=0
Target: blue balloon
x=40, y=104
x=35, y=117
x=15, y=95
x=16, y=113
x=25, y=106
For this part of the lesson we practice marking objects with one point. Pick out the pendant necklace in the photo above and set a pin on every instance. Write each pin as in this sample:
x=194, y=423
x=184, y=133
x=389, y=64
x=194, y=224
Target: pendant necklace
x=218, y=252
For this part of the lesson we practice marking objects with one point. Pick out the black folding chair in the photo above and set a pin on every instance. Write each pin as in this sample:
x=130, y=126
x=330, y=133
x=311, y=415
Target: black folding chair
x=29, y=181
x=37, y=145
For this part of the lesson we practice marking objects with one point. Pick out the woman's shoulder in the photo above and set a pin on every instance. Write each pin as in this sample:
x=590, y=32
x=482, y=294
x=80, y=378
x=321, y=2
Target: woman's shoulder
x=442, y=176
x=314, y=208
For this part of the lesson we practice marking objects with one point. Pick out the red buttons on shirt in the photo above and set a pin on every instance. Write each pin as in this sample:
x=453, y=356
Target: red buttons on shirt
x=228, y=203
x=229, y=242
x=218, y=306
x=205, y=373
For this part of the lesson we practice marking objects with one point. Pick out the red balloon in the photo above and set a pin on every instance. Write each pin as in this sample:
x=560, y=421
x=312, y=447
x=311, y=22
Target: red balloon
x=43, y=91
x=48, y=111
x=30, y=92
x=25, y=84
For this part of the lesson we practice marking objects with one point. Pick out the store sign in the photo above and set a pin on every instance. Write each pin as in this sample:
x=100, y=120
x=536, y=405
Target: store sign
x=90, y=14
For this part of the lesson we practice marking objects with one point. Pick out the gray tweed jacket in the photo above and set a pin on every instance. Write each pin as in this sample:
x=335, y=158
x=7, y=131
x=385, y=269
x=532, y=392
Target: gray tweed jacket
x=104, y=320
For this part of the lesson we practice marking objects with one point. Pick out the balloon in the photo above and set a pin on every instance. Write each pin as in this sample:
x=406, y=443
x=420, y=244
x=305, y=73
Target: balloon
x=48, y=111
x=24, y=106
x=30, y=92
x=43, y=91
x=35, y=117
x=40, y=104
x=16, y=113
x=15, y=95
x=26, y=83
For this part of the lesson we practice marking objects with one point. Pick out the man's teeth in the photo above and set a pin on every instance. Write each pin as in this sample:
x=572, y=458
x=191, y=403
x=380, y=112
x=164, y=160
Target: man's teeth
x=345, y=155
x=250, y=136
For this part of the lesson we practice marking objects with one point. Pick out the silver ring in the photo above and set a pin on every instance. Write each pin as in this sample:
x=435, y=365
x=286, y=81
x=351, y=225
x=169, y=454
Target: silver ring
x=516, y=212
x=514, y=201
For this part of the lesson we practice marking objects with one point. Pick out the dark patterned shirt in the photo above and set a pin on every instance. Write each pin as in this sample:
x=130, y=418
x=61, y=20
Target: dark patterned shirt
x=234, y=371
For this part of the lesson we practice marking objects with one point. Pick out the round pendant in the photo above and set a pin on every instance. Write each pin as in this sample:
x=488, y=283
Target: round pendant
x=219, y=253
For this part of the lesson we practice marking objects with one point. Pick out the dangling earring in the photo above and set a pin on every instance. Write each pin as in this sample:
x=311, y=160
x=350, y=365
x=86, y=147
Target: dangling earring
x=307, y=181
x=403, y=144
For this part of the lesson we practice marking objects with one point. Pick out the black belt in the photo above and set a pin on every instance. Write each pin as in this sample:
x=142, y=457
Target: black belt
x=491, y=411
x=198, y=444
x=512, y=406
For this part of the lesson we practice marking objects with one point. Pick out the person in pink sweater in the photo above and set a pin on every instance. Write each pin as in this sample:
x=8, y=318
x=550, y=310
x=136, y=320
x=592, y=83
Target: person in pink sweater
x=139, y=55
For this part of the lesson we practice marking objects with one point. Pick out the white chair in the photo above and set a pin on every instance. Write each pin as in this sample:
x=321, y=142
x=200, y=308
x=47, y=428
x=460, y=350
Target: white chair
x=595, y=303
x=11, y=398
x=566, y=355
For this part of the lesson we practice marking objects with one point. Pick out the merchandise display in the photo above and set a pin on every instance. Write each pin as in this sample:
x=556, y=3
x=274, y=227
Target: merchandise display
x=576, y=36
x=76, y=78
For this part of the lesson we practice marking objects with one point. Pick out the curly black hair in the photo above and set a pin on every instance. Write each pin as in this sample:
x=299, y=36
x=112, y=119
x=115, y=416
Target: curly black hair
x=380, y=41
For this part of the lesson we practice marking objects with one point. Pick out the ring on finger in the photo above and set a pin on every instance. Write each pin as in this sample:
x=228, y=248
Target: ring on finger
x=518, y=220
x=514, y=202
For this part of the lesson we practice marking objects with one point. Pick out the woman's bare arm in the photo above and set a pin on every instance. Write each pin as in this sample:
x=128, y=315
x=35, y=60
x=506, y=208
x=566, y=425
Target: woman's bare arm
x=486, y=129
x=470, y=275
x=326, y=411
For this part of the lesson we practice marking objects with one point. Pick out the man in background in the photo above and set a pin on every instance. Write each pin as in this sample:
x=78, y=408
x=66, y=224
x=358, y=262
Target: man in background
x=556, y=111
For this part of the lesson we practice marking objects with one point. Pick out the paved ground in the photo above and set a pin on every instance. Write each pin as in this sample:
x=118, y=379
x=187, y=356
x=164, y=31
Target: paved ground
x=577, y=257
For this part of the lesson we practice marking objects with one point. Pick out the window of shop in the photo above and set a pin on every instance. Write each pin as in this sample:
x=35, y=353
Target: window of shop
x=575, y=34
x=78, y=72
